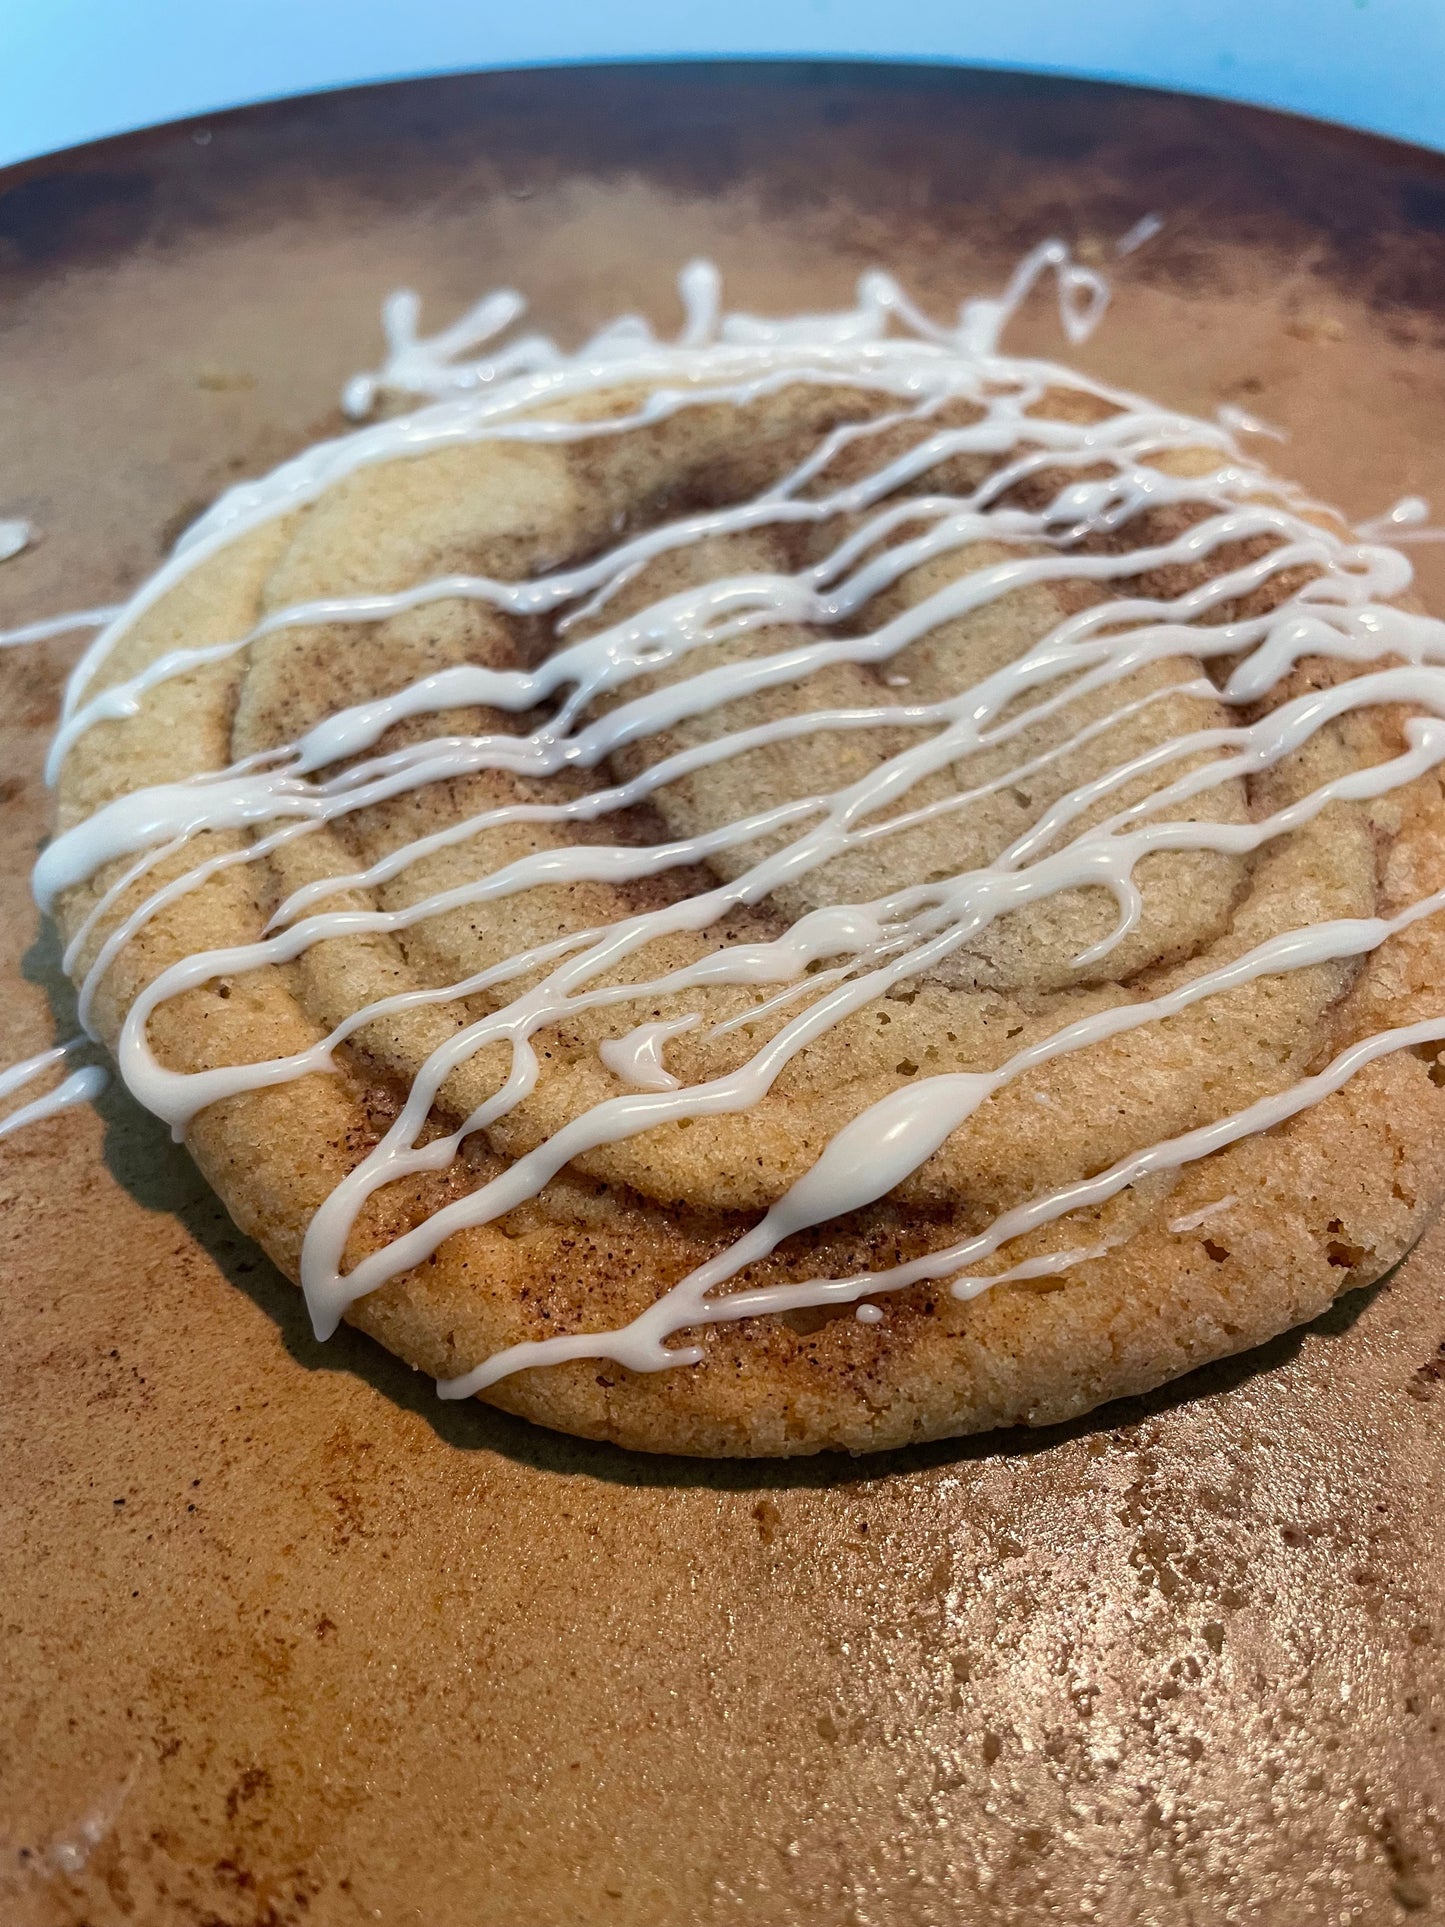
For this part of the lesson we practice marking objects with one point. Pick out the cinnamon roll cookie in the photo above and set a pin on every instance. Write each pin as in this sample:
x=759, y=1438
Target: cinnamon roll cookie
x=815, y=885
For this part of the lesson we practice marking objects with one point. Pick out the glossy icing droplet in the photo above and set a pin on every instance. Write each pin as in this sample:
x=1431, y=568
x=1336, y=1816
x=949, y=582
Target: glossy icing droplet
x=15, y=535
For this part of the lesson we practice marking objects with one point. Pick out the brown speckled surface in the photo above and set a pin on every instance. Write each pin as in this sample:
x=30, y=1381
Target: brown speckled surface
x=283, y=1639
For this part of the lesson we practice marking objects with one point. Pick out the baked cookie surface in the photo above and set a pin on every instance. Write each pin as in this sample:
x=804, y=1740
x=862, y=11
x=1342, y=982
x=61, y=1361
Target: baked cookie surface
x=785, y=823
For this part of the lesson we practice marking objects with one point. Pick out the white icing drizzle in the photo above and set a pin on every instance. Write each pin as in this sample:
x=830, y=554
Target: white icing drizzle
x=1405, y=522
x=1143, y=230
x=15, y=535
x=1194, y=1219
x=832, y=961
x=80, y=1087
x=637, y=1057
x=1052, y=1264
x=1241, y=421
x=58, y=626
x=642, y=1345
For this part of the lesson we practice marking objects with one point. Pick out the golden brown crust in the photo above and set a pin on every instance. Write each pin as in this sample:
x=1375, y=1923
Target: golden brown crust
x=1327, y=1201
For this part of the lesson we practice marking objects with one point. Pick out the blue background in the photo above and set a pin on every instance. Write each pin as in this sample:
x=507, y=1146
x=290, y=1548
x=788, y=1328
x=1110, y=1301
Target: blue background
x=72, y=70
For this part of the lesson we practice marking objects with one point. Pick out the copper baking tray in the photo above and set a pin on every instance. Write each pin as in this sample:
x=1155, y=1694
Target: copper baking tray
x=287, y=1641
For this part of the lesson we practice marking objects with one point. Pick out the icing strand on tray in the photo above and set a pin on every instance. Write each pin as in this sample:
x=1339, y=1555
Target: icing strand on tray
x=80, y=1087
x=58, y=626
x=1406, y=522
x=841, y=958
x=16, y=535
